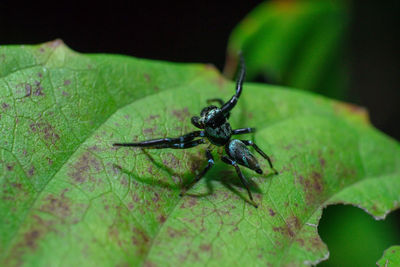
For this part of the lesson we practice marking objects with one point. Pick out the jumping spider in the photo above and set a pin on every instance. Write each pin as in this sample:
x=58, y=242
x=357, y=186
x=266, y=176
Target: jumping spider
x=218, y=131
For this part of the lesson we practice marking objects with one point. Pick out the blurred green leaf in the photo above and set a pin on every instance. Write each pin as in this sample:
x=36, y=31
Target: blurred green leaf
x=353, y=237
x=295, y=43
x=68, y=198
x=390, y=258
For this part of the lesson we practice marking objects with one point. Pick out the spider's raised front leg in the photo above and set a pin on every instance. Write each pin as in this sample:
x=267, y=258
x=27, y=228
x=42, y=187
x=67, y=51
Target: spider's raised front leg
x=229, y=161
x=200, y=175
x=251, y=143
x=228, y=106
x=182, y=142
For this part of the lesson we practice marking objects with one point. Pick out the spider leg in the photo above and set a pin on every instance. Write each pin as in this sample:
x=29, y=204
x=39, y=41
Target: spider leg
x=229, y=161
x=251, y=143
x=221, y=102
x=200, y=175
x=189, y=144
x=228, y=106
x=178, y=142
x=244, y=131
x=195, y=122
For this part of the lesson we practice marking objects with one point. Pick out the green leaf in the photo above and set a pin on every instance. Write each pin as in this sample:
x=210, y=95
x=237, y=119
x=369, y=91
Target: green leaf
x=69, y=198
x=294, y=43
x=391, y=257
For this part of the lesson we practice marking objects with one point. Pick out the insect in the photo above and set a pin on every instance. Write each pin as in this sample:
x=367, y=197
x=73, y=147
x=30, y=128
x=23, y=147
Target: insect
x=215, y=128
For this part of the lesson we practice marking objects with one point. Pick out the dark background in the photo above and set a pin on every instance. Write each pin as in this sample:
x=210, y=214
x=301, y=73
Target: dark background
x=198, y=31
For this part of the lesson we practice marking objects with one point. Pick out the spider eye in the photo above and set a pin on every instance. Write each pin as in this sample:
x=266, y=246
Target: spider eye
x=205, y=111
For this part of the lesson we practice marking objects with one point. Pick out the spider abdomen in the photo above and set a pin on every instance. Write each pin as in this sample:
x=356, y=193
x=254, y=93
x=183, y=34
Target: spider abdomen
x=219, y=135
x=238, y=151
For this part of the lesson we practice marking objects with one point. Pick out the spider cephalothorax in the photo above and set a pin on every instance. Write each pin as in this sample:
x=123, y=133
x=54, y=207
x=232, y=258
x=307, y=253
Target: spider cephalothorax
x=215, y=127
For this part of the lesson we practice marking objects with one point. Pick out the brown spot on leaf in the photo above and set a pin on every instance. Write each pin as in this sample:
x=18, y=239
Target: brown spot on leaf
x=67, y=82
x=317, y=243
x=205, y=247
x=195, y=164
x=148, y=263
x=38, y=90
x=288, y=147
x=80, y=169
x=156, y=197
x=17, y=185
x=46, y=130
x=28, y=90
x=290, y=228
x=116, y=169
x=172, y=233
x=322, y=162
x=31, y=238
x=152, y=117
x=192, y=202
x=58, y=205
x=162, y=219
x=31, y=170
x=10, y=166
x=141, y=240
x=271, y=212
x=150, y=131
x=171, y=161
x=181, y=114
x=321, y=159
x=5, y=106
x=94, y=148
x=146, y=77
x=28, y=240
x=150, y=170
x=294, y=223
x=317, y=181
x=49, y=161
x=300, y=241
x=313, y=186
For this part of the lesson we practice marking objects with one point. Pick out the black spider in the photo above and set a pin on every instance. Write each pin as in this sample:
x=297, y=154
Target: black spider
x=218, y=131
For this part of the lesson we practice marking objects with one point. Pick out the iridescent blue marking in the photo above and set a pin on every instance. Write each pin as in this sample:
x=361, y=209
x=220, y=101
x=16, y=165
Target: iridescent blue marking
x=245, y=161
